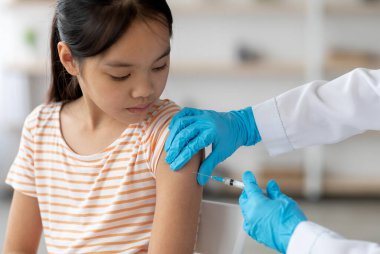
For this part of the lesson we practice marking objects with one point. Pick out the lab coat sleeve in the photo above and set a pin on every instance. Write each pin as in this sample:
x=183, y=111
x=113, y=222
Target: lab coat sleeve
x=312, y=238
x=321, y=112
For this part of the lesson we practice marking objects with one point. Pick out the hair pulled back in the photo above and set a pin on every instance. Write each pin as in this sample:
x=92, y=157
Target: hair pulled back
x=89, y=27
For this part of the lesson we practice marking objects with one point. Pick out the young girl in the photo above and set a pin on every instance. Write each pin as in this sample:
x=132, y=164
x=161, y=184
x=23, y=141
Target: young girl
x=90, y=171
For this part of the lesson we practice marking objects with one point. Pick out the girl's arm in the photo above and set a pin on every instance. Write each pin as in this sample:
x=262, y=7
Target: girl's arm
x=24, y=225
x=177, y=208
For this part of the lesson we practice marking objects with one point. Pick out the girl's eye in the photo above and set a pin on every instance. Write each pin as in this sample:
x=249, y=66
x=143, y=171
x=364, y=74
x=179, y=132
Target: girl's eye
x=120, y=78
x=163, y=67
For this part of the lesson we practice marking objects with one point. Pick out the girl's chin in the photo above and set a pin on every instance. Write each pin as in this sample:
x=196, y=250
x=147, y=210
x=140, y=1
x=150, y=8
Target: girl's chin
x=131, y=118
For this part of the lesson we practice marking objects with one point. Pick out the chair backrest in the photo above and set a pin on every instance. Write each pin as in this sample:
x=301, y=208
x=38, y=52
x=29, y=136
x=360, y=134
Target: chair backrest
x=220, y=229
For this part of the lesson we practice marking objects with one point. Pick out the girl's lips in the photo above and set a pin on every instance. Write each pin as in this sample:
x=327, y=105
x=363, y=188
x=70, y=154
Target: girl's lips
x=139, y=108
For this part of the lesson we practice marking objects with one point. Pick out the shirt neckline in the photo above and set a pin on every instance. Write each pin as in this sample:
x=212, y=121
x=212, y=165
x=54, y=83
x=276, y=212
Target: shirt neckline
x=107, y=150
x=98, y=155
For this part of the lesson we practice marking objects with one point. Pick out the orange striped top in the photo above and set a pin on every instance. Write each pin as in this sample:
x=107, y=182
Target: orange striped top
x=101, y=203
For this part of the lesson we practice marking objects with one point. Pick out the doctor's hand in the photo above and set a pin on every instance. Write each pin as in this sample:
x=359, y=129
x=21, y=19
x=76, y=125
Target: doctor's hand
x=192, y=130
x=270, y=220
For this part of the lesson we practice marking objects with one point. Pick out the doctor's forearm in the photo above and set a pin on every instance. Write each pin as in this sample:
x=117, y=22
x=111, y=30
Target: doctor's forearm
x=321, y=112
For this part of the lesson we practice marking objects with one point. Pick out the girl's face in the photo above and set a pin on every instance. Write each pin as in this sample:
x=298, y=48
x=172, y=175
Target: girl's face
x=126, y=80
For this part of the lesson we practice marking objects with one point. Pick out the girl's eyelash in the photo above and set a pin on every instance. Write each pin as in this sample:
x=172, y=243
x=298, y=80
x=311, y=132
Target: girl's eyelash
x=160, y=68
x=126, y=77
x=120, y=78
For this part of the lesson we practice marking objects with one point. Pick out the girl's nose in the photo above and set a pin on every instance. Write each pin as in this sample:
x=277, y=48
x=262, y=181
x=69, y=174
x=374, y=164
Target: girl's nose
x=144, y=88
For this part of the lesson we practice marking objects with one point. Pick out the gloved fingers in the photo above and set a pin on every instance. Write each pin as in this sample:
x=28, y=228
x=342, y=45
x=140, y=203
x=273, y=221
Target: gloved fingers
x=243, y=198
x=249, y=229
x=251, y=187
x=198, y=143
x=276, y=192
x=181, y=140
x=207, y=167
x=183, y=113
x=242, y=201
x=177, y=127
x=273, y=190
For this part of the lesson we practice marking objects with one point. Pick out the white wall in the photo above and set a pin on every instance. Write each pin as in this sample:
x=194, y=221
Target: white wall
x=19, y=92
x=215, y=38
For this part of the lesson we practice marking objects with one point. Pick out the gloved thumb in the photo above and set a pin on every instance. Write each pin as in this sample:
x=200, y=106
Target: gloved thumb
x=273, y=190
x=250, y=184
x=206, y=168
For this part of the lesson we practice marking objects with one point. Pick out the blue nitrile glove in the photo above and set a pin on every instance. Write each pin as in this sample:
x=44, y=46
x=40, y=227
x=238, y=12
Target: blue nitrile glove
x=270, y=220
x=193, y=129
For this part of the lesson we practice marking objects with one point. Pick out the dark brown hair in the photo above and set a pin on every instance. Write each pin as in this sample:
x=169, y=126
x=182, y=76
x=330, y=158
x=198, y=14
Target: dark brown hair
x=89, y=27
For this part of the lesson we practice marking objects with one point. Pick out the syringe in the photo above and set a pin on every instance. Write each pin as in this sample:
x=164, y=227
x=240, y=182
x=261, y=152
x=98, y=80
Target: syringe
x=225, y=180
x=229, y=181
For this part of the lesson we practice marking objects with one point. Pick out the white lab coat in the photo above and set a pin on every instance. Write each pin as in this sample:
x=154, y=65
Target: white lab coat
x=322, y=113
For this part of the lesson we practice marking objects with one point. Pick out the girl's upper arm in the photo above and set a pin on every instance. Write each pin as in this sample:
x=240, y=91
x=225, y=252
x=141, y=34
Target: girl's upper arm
x=177, y=208
x=24, y=225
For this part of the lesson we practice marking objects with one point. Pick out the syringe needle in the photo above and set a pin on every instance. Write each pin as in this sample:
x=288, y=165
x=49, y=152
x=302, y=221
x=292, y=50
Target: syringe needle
x=201, y=174
x=225, y=180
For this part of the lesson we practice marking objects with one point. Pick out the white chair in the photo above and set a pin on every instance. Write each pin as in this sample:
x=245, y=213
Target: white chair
x=220, y=229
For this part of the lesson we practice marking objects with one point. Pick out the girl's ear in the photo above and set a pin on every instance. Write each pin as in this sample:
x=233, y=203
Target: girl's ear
x=67, y=59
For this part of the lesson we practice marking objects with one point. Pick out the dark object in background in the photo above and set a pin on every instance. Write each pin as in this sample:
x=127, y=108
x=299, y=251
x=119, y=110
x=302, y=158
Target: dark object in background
x=371, y=1
x=247, y=54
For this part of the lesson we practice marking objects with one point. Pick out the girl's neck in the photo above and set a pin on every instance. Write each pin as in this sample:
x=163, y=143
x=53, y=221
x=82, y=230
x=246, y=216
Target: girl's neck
x=91, y=117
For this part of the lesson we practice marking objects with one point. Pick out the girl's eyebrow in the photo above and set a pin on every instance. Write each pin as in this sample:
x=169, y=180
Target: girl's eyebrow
x=166, y=53
x=125, y=64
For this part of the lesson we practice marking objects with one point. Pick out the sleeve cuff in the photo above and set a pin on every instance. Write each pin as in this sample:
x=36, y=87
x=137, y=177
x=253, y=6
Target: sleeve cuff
x=305, y=237
x=271, y=128
x=24, y=191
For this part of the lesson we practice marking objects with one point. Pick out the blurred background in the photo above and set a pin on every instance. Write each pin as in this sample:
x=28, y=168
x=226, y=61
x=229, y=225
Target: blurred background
x=230, y=54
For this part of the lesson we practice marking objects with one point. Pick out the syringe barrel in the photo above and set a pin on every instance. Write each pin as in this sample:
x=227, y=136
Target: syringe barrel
x=234, y=183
